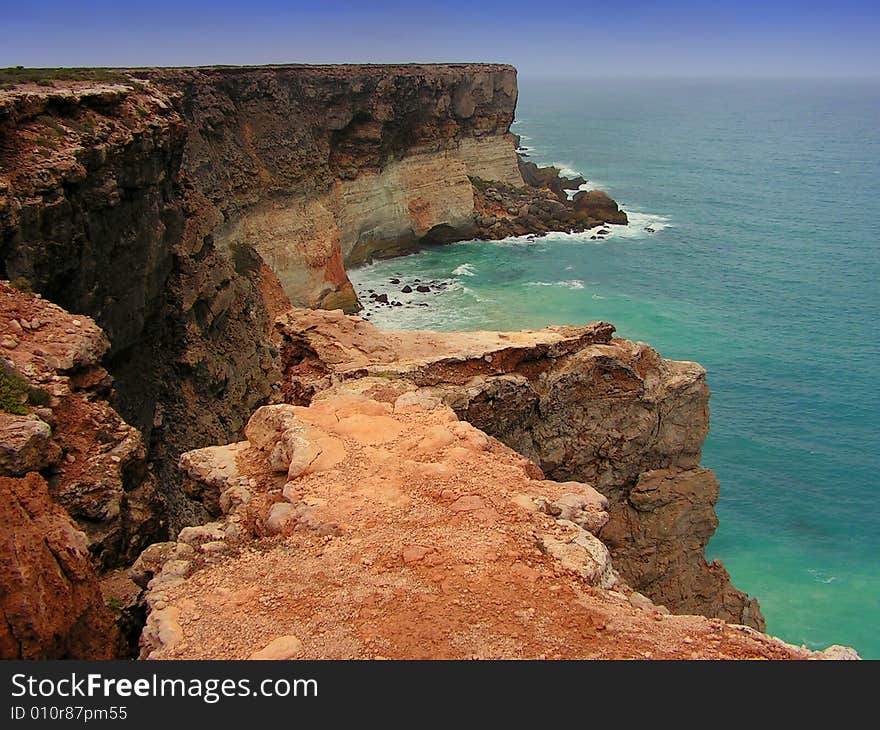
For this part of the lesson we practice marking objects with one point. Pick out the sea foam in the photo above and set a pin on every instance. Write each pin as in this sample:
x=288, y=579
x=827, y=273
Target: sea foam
x=571, y=284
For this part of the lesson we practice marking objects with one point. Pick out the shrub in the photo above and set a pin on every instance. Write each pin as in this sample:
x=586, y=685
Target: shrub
x=39, y=397
x=13, y=390
x=23, y=284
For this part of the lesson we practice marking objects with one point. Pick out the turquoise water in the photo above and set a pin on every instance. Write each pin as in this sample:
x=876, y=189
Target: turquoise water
x=764, y=267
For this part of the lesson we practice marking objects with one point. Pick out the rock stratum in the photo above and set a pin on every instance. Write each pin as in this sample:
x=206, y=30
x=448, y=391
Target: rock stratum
x=278, y=480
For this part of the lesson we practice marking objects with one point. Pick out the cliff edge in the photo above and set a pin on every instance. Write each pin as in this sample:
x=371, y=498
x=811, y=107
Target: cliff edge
x=180, y=212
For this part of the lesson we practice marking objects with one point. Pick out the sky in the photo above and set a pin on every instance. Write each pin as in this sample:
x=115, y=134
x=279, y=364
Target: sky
x=580, y=38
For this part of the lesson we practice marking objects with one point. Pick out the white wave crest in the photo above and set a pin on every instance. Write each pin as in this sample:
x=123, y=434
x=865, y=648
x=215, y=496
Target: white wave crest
x=571, y=284
x=464, y=270
x=566, y=169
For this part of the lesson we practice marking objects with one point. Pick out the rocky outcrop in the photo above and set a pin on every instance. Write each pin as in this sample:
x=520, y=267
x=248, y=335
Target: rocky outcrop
x=598, y=205
x=361, y=528
x=94, y=462
x=503, y=211
x=582, y=405
x=549, y=177
x=50, y=601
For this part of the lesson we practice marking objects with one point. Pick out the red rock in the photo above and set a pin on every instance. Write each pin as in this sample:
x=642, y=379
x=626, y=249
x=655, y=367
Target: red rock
x=50, y=602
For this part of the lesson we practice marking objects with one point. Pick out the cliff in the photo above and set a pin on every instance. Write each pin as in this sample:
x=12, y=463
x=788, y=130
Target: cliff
x=182, y=210
x=319, y=167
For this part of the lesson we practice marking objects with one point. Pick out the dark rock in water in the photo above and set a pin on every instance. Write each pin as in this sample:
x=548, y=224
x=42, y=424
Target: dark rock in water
x=407, y=289
x=422, y=288
x=592, y=238
x=603, y=232
x=598, y=205
x=370, y=290
x=396, y=304
x=382, y=299
x=417, y=280
x=394, y=281
x=423, y=304
x=649, y=229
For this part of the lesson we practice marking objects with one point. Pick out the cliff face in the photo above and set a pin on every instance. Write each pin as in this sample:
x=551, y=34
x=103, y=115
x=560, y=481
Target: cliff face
x=95, y=215
x=315, y=167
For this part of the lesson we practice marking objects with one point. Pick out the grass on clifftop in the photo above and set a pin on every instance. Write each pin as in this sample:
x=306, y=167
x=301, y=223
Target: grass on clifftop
x=12, y=391
x=16, y=393
x=13, y=75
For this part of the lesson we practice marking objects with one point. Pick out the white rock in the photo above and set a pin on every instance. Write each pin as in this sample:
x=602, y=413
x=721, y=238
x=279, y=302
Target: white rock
x=416, y=400
x=281, y=515
x=199, y=534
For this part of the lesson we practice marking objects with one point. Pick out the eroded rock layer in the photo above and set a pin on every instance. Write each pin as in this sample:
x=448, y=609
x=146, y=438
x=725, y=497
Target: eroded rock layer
x=56, y=420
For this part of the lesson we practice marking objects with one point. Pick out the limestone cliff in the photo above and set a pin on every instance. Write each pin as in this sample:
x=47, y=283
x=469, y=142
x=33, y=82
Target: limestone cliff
x=184, y=209
x=95, y=216
x=317, y=167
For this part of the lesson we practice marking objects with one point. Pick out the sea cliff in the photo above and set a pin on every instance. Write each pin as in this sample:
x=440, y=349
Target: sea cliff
x=187, y=216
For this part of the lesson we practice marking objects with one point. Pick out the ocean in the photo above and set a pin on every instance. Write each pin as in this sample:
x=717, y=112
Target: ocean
x=763, y=265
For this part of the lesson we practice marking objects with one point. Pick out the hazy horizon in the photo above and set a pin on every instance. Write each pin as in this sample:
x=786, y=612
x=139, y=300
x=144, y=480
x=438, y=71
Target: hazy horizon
x=628, y=40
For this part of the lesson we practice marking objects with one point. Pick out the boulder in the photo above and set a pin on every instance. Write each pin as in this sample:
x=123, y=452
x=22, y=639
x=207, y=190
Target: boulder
x=25, y=445
x=598, y=205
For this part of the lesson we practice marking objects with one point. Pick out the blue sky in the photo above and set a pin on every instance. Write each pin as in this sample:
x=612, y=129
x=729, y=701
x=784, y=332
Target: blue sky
x=609, y=38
